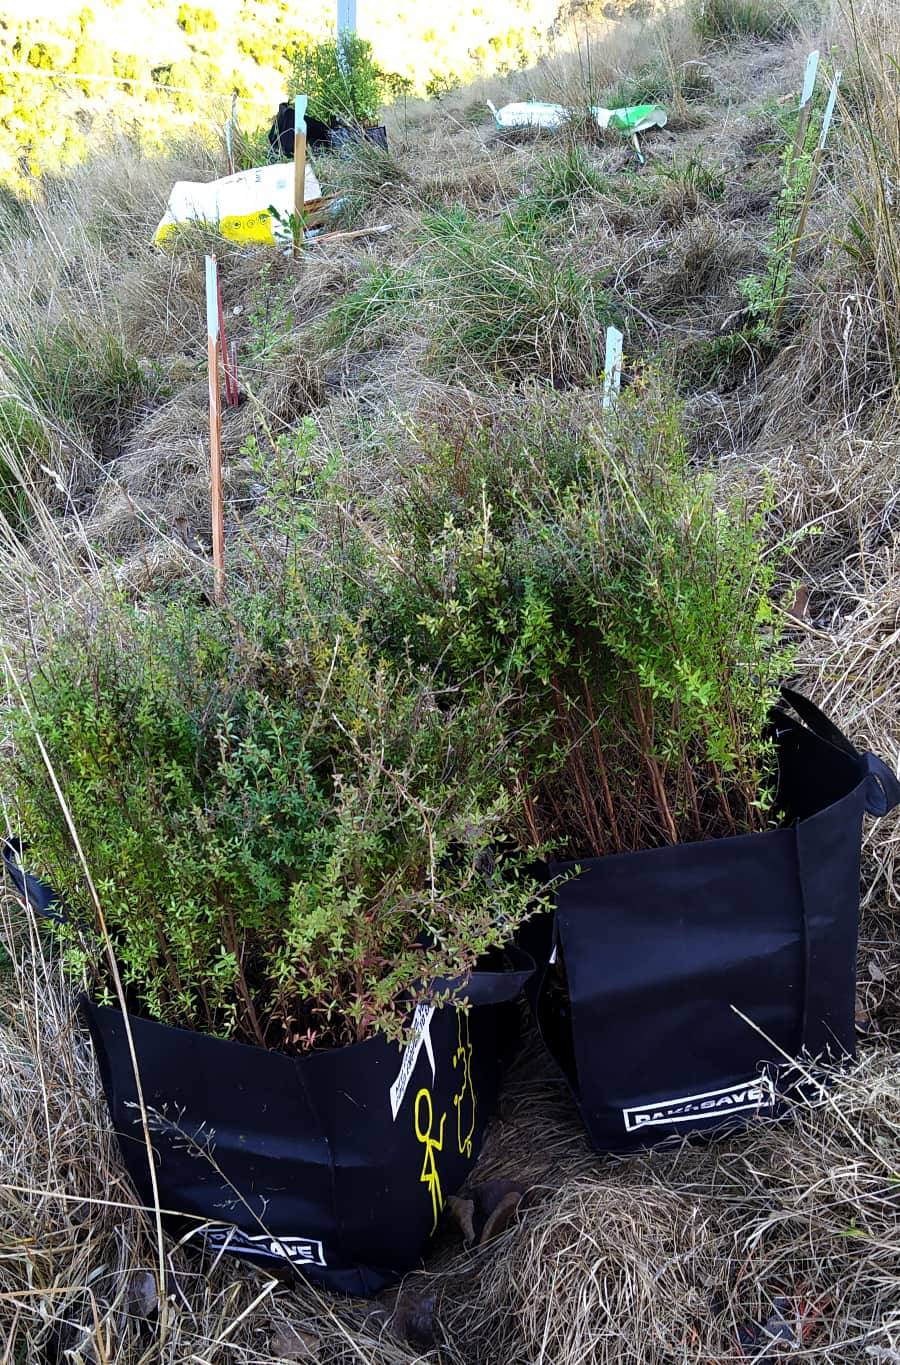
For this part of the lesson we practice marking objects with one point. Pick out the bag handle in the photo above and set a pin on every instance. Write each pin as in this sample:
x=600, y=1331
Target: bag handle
x=42, y=899
x=882, y=785
x=817, y=721
x=492, y=988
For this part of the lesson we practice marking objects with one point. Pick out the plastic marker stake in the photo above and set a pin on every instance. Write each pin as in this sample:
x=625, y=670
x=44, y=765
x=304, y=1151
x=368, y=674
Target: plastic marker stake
x=829, y=110
x=612, y=373
x=215, y=425
x=805, y=105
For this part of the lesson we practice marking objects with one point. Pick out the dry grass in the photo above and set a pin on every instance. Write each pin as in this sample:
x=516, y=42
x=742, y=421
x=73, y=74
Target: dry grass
x=668, y=1258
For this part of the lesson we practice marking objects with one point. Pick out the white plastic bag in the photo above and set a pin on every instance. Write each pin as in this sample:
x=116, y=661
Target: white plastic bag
x=534, y=114
x=239, y=204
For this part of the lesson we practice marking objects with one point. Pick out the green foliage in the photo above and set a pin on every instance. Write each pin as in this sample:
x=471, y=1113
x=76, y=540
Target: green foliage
x=696, y=178
x=61, y=374
x=270, y=316
x=286, y=832
x=765, y=295
x=193, y=20
x=292, y=226
x=562, y=178
x=504, y=301
x=747, y=18
x=440, y=84
x=378, y=306
x=591, y=571
x=721, y=362
x=24, y=447
x=341, y=78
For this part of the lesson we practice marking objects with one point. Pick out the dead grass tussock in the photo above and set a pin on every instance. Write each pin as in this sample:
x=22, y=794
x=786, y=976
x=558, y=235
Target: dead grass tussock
x=695, y=268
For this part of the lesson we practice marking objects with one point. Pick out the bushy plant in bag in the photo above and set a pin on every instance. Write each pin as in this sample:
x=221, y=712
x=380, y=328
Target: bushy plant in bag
x=287, y=835
x=586, y=568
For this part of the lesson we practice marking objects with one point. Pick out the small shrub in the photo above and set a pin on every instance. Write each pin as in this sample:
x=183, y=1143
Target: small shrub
x=501, y=301
x=590, y=571
x=287, y=834
x=341, y=78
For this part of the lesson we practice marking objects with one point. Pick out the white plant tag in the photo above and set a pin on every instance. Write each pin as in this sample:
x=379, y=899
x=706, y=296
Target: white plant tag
x=422, y=1027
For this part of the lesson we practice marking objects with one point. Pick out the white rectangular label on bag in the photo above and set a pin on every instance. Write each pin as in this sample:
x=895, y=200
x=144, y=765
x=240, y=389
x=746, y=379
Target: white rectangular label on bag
x=421, y=1025
x=733, y=1099
x=297, y=1250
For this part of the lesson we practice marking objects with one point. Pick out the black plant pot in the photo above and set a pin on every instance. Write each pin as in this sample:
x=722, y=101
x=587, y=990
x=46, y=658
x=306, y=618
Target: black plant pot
x=342, y=137
x=683, y=979
x=336, y=1164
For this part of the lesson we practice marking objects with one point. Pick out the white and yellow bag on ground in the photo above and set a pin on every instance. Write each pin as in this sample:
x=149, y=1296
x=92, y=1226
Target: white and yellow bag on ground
x=239, y=204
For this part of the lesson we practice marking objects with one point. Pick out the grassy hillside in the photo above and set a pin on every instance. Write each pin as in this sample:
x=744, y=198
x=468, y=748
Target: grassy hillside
x=161, y=63
x=365, y=365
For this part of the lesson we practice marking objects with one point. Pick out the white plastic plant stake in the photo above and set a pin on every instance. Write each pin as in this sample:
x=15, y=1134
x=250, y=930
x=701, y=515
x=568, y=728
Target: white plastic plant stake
x=809, y=80
x=299, y=161
x=229, y=147
x=612, y=370
x=829, y=110
x=346, y=16
x=805, y=105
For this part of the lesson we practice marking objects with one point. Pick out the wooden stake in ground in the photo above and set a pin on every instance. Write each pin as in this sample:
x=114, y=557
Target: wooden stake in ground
x=299, y=165
x=229, y=147
x=612, y=370
x=215, y=425
x=805, y=106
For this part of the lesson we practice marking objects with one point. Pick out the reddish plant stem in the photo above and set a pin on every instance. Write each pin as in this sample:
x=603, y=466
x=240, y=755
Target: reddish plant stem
x=653, y=769
x=601, y=768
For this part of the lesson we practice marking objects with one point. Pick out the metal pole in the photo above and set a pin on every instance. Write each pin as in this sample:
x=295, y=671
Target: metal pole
x=346, y=16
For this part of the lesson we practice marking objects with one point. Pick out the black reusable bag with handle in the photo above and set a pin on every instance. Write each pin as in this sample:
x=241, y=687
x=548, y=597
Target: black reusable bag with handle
x=335, y=1164
x=684, y=977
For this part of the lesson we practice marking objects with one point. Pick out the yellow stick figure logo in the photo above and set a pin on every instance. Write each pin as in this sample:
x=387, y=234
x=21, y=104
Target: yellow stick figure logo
x=430, y=1176
x=464, y=1102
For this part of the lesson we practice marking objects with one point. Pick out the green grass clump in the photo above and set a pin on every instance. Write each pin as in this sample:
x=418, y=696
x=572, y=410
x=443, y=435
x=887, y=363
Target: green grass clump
x=563, y=177
x=376, y=308
x=501, y=301
x=71, y=378
x=696, y=179
x=745, y=19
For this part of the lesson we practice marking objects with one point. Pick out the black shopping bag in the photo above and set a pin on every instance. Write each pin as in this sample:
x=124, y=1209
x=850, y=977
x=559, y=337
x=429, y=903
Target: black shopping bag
x=683, y=978
x=336, y=1164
